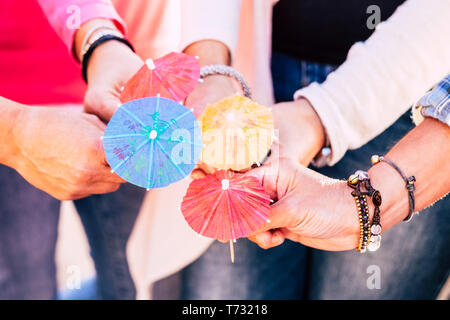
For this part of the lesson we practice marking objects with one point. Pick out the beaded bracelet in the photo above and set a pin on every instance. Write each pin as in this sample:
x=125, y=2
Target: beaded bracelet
x=226, y=71
x=375, y=228
x=363, y=212
x=368, y=240
x=409, y=181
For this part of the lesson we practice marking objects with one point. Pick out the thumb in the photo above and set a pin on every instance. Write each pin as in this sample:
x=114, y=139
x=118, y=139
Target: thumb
x=281, y=216
x=267, y=178
x=101, y=103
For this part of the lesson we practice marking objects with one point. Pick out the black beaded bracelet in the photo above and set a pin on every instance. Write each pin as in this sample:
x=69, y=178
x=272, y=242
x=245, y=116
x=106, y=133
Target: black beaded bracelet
x=363, y=212
x=94, y=45
x=370, y=236
x=409, y=181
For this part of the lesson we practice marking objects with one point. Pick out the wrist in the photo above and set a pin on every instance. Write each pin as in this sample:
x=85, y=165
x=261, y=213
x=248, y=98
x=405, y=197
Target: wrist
x=83, y=32
x=9, y=153
x=395, y=206
x=218, y=80
x=312, y=124
x=347, y=209
x=101, y=58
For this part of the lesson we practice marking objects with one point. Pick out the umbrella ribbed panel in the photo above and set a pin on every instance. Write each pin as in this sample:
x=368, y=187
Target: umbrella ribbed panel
x=226, y=210
x=172, y=76
x=141, y=144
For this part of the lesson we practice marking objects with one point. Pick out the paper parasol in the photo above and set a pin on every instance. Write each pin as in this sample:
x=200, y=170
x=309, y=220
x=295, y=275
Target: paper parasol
x=152, y=142
x=173, y=76
x=226, y=205
x=237, y=133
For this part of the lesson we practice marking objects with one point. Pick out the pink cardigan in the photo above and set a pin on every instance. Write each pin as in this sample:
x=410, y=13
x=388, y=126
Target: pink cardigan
x=36, y=67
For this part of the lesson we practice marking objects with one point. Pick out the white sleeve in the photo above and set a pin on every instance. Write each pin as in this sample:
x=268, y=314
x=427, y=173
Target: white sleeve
x=383, y=76
x=207, y=19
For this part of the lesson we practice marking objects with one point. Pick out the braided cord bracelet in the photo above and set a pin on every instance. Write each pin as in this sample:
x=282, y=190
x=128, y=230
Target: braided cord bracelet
x=409, y=181
x=370, y=235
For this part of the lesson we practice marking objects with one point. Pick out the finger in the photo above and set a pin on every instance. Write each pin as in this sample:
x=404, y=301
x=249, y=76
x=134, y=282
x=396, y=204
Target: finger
x=266, y=177
x=106, y=174
x=207, y=169
x=93, y=188
x=94, y=120
x=110, y=107
x=101, y=102
x=268, y=239
x=103, y=188
x=115, y=178
x=281, y=216
x=274, y=153
x=198, y=174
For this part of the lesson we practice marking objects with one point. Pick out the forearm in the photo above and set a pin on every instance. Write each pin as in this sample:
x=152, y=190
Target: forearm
x=422, y=153
x=210, y=52
x=383, y=76
x=9, y=111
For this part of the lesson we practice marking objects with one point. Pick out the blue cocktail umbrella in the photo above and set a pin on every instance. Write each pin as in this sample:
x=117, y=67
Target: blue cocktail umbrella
x=152, y=142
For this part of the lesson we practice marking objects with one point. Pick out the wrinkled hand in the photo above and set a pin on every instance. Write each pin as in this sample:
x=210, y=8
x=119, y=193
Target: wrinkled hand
x=213, y=89
x=309, y=208
x=299, y=130
x=111, y=65
x=60, y=152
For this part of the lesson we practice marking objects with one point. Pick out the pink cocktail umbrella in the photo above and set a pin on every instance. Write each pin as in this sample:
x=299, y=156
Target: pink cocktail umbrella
x=172, y=76
x=226, y=206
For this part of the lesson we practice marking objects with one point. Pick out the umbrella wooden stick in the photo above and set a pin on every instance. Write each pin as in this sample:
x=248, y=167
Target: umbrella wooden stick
x=232, y=251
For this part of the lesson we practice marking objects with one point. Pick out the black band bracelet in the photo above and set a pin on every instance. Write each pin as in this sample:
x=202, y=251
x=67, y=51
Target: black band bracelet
x=94, y=45
x=409, y=181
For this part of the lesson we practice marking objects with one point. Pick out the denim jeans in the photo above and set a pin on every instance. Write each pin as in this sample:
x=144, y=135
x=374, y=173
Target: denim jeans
x=28, y=234
x=412, y=263
x=108, y=220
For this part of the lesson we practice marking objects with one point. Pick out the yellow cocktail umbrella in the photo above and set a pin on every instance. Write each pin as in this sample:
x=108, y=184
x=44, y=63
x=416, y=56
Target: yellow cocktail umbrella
x=237, y=132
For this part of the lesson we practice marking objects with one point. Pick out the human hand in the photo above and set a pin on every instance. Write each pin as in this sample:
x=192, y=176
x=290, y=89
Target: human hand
x=300, y=131
x=110, y=66
x=309, y=208
x=60, y=152
x=213, y=88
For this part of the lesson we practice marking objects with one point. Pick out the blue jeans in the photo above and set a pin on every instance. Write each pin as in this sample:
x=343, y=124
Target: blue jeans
x=28, y=234
x=108, y=220
x=413, y=262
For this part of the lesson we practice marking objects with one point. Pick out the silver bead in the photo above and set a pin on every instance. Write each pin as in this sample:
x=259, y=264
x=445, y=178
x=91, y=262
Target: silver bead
x=374, y=246
x=375, y=229
x=362, y=175
x=375, y=238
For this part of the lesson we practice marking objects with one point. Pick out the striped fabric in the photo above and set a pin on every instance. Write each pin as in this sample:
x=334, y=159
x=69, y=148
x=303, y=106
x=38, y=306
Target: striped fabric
x=434, y=104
